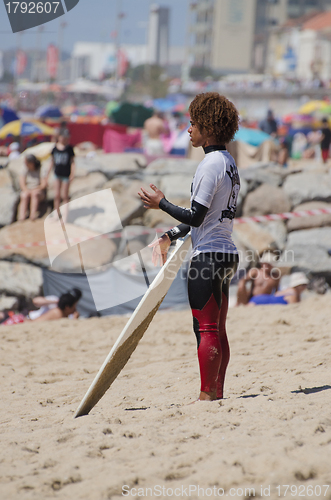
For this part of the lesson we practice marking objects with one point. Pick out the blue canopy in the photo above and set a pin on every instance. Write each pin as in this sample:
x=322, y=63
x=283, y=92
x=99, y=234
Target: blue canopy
x=252, y=136
x=8, y=115
x=48, y=112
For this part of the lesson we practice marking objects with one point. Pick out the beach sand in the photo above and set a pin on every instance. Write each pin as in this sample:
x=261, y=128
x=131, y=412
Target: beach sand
x=273, y=427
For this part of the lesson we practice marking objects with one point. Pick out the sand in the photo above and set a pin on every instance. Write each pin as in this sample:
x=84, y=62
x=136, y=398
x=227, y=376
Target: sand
x=273, y=427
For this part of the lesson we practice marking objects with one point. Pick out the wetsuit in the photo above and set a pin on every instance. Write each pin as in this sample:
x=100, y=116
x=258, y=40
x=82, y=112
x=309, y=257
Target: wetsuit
x=214, y=260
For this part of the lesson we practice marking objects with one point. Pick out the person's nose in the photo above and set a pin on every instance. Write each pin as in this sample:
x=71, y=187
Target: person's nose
x=190, y=130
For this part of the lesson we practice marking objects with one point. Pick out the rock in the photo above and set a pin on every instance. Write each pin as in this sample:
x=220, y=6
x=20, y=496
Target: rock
x=257, y=176
x=320, y=237
x=310, y=250
x=8, y=302
x=304, y=187
x=265, y=200
x=253, y=238
x=128, y=203
x=114, y=164
x=26, y=241
x=311, y=220
x=241, y=197
x=277, y=229
x=166, y=166
x=9, y=200
x=91, y=183
x=308, y=258
x=20, y=279
x=175, y=186
x=5, y=179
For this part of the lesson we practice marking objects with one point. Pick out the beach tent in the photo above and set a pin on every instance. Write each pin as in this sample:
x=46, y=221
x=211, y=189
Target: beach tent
x=115, y=285
x=132, y=115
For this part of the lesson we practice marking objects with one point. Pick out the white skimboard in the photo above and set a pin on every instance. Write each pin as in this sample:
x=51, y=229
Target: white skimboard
x=135, y=328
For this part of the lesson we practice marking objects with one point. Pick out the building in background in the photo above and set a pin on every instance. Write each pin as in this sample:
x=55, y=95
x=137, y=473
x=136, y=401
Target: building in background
x=233, y=35
x=302, y=49
x=158, y=35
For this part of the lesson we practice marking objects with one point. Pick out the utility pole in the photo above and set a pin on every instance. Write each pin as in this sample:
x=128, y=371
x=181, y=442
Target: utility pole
x=62, y=26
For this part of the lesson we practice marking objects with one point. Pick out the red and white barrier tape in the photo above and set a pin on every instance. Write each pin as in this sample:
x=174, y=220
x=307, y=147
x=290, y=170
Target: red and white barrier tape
x=240, y=220
x=283, y=216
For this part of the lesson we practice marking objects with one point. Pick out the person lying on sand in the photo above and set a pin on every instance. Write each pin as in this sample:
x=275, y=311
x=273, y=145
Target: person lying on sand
x=48, y=302
x=214, y=193
x=66, y=307
x=291, y=295
x=262, y=281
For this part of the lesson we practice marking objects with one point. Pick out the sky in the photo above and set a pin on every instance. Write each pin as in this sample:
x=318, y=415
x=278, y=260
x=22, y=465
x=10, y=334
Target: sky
x=95, y=21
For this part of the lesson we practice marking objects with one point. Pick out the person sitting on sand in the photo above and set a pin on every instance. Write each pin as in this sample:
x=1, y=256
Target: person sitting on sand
x=49, y=302
x=291, y=295
x=263, y=281
x=33, y=188
x=65, y=308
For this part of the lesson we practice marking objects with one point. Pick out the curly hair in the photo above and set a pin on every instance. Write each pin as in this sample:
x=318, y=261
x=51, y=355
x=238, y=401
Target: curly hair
x=215, y=114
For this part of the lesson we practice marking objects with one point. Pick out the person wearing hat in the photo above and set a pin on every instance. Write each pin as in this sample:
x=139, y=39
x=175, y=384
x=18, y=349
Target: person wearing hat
x=263, y=280
x=291, y=295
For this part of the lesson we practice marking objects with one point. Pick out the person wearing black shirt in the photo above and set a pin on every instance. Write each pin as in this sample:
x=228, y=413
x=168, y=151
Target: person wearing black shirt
x=64, y=167
x=326, y=140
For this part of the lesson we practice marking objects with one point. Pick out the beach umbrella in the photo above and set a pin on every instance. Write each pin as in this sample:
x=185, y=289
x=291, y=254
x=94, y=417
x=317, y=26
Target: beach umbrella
x=8, y=115
x=132, y=115
x=25, y=128
x=312, y=106
x=252, y=136
x=49, y=112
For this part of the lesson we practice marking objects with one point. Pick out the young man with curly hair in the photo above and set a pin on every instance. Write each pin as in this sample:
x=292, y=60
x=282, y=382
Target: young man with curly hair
x=214, y=261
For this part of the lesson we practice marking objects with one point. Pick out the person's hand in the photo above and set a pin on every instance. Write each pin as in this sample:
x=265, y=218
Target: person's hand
x=160, y=250
x=151, y=200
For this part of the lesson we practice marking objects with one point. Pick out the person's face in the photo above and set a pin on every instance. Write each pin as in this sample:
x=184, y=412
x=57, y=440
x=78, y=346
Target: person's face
x=29, y=165
x=198, y=138
x=64, y=139
x=70, y=310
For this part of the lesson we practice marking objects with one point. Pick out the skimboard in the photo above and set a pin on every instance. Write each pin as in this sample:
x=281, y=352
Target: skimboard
x=135, y=328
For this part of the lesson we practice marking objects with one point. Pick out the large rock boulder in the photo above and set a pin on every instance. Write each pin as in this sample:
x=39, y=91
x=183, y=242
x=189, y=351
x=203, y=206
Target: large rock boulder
x=304, y=187
x=310, y=250
x=115, y=164
x=310, y=221
x=26, y=242
x=20, y=279
x=320, y=237
x=175, y=186
x=277, y=230
x=128, y=203
x=91, y=183
x=9, y=200
x=264, y=200
x=175, y=166
x=5, y=179
x=255, y=239
x=254, y=177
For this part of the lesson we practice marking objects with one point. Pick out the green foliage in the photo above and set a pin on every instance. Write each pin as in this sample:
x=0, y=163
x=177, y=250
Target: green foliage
x=199, y=73
x=148, y=79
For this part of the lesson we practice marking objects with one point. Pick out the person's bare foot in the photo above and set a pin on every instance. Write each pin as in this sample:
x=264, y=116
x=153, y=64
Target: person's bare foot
x=207, y=396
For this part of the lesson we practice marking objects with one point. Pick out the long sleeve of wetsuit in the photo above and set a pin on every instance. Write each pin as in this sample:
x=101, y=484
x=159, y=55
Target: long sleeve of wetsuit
x=178, y=232
x=193, y=216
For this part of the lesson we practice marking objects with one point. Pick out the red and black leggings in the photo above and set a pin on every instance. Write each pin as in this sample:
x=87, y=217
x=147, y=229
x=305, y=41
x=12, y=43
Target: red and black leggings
x=208, y=289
